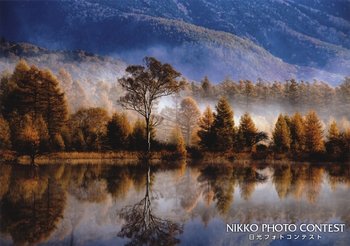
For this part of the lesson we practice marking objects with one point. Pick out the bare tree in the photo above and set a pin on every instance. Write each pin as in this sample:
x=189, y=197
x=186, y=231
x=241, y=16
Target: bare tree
x=145, y=85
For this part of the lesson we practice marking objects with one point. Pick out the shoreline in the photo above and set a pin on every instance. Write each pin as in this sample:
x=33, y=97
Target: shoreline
x=158, y=157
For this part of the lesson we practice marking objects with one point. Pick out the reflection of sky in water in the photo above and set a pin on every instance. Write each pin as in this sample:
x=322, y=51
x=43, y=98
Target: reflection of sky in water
x=190, y=197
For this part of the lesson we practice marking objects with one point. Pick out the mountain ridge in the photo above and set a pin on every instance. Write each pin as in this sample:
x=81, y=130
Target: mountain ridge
x=100, y=28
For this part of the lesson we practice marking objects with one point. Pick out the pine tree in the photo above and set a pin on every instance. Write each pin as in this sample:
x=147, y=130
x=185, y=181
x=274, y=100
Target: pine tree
x=297, y=130
x=205, y=133
x=281, y=135
x=223, y=126
x=118, y=130
x=247, y=132
x=313, y=133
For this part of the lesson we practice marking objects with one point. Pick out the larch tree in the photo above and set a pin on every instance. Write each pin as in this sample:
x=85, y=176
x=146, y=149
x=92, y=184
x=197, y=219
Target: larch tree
x=205, y=129
x=36, y=92
x=314, y=142
x=189, y=116
x=223, y=126
x=335, y=141
x=297, y=130
x=145, y=85
x=281, y=135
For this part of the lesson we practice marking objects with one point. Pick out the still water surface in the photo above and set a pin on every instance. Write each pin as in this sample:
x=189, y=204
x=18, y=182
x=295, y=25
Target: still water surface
x=118, y=205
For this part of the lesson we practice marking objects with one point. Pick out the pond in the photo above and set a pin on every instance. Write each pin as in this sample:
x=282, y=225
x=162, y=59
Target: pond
x=181, y=204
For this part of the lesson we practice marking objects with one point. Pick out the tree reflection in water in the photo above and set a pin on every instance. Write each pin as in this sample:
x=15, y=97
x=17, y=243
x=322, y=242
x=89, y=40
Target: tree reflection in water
x=33, y=201
x=143, y=227
x=32, y=208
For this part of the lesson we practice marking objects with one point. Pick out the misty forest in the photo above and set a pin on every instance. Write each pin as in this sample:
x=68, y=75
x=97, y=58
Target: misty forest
x=156, y=110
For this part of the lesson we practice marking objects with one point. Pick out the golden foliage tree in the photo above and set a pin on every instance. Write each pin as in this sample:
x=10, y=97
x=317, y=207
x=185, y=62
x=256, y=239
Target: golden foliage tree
x=5, y=136
x=178, y=139
x=247, y=132
x=189, y=116
x=297, y=130
x=223, y=126
x=281, y=135
x=313, y=133
x=335, y=141
x=28, y=139
x=205, y=129
x=89, y=128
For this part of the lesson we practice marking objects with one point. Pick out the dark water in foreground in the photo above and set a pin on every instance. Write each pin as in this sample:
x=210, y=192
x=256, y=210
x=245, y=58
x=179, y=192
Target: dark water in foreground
x=113, y=205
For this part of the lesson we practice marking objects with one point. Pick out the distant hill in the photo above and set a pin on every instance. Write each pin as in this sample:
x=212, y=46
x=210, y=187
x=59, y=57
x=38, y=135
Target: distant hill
x=240, y=39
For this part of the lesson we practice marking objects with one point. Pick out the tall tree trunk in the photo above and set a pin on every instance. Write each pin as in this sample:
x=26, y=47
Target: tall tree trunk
x=148, y=132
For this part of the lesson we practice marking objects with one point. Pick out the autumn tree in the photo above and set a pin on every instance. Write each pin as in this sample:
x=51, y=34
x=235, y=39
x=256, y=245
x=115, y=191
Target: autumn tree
x=281, y=135
x=205, y=133
x=118, y=130
x=5, y=136
x=313, y=133
x=223, y=126
x=248, y=135
x=27, y=139
x=37, y=93
x=145, y=85
x=297, y=131
x=334, y=142
x=189, y=116
x=89, y=128
x=178, y=140
x=43, y=132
